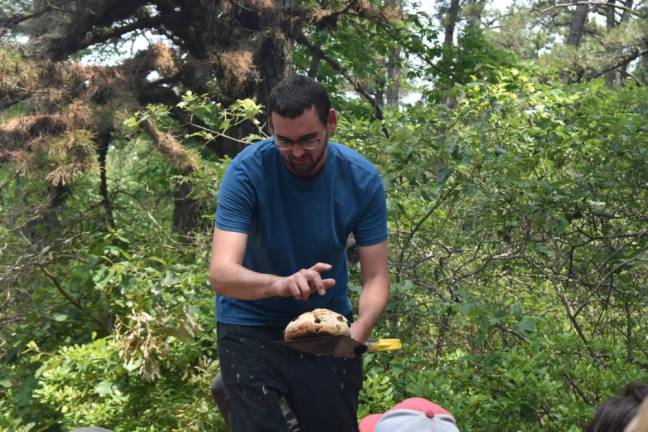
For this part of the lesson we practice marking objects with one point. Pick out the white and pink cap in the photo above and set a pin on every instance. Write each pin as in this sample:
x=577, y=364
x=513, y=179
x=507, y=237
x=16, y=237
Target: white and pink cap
x=411, y=415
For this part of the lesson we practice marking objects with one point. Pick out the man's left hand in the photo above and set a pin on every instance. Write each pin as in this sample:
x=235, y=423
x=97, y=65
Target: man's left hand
x=360, y=331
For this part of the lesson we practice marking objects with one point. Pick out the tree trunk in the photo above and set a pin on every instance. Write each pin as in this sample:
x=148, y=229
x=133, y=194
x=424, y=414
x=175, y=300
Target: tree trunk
x=644, y=61
x=272, y=59
x=392, y=93
x=612, y=77
x=625, y=16
x=450, y=22
x=39, y=228
x=609, y=15
x=577, y=25
x=186, y=210
x=628, y=331
x=474, y=12
x=315, y=62
x=392, y=88
x=103, y=141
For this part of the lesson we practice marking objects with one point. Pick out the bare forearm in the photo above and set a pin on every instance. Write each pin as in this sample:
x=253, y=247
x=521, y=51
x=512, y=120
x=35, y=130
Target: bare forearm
x=373, y=299
x=375, y=289
x=234, y=280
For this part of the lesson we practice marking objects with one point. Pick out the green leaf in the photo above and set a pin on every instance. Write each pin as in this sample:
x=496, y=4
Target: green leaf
x=526, y=325
x=104, y=388
x=158, y=260
x=31, y=345
x=516, y=308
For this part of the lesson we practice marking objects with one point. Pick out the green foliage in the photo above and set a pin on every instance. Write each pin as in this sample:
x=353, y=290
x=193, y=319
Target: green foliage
x=518, y=31
x=91, y=384
x=518, y=249
x=377, y=390
x=517, y=216
x=366, y=48
x=133, y=300
x=216, y=120
x=473, y=58
x=15, y=74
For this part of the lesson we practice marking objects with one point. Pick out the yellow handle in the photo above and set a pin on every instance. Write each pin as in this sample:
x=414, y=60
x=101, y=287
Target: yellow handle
x=384, y=345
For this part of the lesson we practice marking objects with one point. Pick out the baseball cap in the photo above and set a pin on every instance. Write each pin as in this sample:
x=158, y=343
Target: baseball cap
x=411, y=415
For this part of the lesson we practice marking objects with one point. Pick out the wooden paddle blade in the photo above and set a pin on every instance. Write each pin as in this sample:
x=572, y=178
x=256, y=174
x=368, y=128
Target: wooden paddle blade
x=327, y=345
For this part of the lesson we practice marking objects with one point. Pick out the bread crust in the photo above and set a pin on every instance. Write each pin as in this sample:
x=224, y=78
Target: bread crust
x=318, y=322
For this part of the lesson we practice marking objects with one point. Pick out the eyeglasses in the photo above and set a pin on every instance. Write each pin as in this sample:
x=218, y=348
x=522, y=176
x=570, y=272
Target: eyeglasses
x=307, y=142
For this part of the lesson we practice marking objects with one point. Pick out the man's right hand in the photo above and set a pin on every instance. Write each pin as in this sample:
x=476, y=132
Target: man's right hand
x=305, y=282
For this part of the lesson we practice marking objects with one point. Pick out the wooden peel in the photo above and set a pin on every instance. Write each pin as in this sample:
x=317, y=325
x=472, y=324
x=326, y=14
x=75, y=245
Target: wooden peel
x=341, y=345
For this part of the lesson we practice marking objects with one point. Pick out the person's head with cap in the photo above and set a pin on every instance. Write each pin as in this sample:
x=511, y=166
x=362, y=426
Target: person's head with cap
x=411, y=415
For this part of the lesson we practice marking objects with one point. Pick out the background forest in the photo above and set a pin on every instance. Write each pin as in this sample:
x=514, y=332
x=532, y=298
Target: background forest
x=513, y=141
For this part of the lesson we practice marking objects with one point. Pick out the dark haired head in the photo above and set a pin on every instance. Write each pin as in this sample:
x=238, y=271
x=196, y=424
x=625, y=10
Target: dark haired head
x=615, y=414
x=295, y=94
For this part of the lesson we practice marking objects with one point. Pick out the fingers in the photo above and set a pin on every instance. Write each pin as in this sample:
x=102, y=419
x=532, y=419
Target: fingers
x=314, y=281
x=302, y=288
x=302, y=284
x=321, y=285
x=328, y=283
x=321, y=267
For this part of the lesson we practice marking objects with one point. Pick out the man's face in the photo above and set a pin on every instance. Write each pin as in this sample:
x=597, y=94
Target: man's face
x=302, y=141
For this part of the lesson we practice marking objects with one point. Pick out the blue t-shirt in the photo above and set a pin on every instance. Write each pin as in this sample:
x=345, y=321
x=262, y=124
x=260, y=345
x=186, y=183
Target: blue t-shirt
x=293, y=223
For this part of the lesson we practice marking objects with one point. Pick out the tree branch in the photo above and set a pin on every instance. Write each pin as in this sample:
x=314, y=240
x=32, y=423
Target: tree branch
x=85, y=23
x=511, y=332
x=95, y=37
x=578, y=390
x=634, y=78
x=9, y=22
x=60, y=289
x=429, y=60
x=436, y=205
x=357, y=85
x=181, y=158
x=622, y=62
x=567, y=306
x=588, y=3
x=69, y=298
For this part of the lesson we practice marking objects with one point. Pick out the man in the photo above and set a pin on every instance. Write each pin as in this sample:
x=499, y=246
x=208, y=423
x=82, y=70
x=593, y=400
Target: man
x=285, y=209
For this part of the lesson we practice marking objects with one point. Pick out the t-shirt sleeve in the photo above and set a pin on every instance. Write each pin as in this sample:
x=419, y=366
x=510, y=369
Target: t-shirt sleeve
x=372, y=226
x=236, y=200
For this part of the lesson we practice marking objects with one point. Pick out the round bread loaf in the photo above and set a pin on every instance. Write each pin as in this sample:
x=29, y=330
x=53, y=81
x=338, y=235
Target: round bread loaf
x=315, y=323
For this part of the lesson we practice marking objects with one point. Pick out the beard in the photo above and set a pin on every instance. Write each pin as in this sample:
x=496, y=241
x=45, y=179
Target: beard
x=306, y=165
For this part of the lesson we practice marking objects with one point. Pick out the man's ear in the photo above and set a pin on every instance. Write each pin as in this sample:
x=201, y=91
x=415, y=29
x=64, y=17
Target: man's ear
x=270, y=127
x=331, y=121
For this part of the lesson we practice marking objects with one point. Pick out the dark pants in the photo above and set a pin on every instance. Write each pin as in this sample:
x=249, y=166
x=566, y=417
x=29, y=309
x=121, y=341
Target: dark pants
x=257, y=371
x=220, y=398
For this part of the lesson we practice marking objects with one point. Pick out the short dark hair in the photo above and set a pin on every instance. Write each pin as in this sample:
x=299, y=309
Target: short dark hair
x=616, y=413
x=295, y=94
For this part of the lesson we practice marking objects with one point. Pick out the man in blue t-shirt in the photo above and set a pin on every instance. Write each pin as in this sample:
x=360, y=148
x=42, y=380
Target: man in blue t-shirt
x=286, y=207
